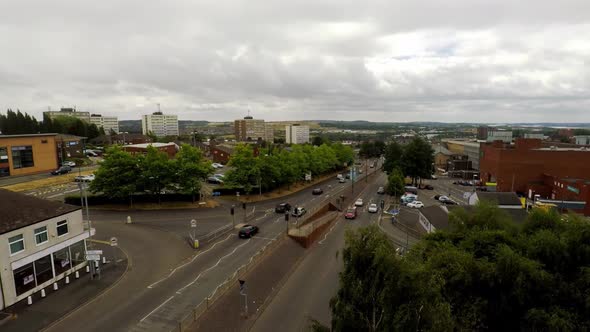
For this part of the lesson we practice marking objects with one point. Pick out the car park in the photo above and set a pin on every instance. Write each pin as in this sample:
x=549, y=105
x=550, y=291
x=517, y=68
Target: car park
x=62, y=170
x=359, y=202
x=317, y=191
x=298, y=211
x=381, y=191
x=283, y=207
x=373, y=208
x=350, y=213
x=415, y=205
x=247, y=231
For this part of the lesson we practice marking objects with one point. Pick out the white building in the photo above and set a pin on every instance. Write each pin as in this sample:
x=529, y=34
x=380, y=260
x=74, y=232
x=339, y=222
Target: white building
x=108, y=123
x=582, y=140
x=42, y=242
x=296, y=134
x=504, y=136
x=84, y=116
x=160, y=124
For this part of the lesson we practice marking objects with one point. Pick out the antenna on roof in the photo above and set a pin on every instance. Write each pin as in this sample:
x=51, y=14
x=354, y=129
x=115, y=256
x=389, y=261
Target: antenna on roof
x=158, y=107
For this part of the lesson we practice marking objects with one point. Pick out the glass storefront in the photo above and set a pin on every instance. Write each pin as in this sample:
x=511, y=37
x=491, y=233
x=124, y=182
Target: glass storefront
x=78, y=252
x=24, y=278
x=43, y=270
x=61, y=260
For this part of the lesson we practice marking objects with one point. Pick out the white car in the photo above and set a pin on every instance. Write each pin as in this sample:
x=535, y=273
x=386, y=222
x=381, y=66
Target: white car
x=84, y=178
x=217, y=165
x=359, y=202
x=373, y=208
x=69, y=163
x=415, y=205
x=443, y=198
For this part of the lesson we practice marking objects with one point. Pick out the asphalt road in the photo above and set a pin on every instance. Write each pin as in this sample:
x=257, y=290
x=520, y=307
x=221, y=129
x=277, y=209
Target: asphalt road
x=308, y=290
x=166, y=284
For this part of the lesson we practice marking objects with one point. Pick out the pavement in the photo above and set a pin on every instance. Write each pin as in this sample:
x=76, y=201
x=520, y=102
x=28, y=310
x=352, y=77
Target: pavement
x=10, y=180
x=67, y=298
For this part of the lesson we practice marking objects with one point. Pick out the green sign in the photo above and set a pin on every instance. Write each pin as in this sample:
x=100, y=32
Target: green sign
x=573, y=189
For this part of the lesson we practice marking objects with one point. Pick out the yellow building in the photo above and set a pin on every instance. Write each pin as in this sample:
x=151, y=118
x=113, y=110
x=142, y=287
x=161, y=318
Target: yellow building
x=27, y=154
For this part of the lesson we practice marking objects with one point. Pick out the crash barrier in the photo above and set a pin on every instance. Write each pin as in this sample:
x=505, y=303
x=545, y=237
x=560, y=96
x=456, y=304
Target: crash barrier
x=308, y=233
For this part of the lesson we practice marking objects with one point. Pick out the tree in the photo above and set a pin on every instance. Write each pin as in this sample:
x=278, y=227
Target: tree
x=418, y=159
x=372, y=149
x=395, y=183
x=157, y=171
x=245, y=170
x=118, y=175
x=190, y=170
x=393, y=157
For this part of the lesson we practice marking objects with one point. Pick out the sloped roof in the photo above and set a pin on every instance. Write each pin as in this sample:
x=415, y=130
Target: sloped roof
x=441, y=149
x=19, y=210
x=437, y=215
x=502, y=198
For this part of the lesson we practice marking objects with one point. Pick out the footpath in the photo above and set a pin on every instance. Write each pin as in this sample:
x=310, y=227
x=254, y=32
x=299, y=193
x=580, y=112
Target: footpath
x=57, y=304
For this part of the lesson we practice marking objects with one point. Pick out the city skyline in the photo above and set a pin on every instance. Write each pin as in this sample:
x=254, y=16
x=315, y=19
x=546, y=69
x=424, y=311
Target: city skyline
x=454, y=62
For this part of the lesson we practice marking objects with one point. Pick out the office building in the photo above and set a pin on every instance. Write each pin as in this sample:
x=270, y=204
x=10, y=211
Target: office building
x=108, y=123
x=296, y=134
x=28, y=154
x=160, y=124
x=467, y=148
x=250, y=129
x=504, y=136
x=84, y=116
x=41, y=244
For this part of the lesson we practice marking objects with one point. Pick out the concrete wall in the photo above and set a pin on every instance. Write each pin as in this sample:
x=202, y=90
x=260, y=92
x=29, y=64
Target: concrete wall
x=45, y=157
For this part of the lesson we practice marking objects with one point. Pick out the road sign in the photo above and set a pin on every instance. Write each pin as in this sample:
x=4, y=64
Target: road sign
x=93, y=252
x=92, y=257
x=114, y=242
x=193, y=223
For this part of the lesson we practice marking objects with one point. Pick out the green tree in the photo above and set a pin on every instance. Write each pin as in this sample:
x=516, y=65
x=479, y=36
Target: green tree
x=157, y=171
x=190, y=170
x=393, y=157
x=245, y=171
x=117, y=176
x=418, y=159
x=395, y=183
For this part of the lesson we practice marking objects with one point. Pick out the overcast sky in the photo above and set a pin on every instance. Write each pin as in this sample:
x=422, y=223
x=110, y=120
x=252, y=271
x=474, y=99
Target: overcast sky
x=376, y=60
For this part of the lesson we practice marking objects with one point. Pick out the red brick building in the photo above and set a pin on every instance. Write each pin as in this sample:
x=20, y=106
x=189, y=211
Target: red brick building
x=169, y=148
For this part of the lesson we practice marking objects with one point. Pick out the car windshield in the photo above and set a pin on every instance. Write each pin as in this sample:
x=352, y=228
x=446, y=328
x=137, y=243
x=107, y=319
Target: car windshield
x=350, y=211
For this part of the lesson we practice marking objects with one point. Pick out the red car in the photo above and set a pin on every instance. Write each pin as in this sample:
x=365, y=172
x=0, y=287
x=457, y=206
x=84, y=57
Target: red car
x=350, y=213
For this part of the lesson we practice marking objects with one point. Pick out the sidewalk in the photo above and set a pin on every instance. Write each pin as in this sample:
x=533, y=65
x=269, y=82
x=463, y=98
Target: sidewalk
x=16, y=179
x=262, y=283
x=57, y=304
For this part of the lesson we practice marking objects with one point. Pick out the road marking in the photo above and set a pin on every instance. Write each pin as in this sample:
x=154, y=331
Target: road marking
x=212, y=267
x=185, y=264
x=263, y=238
x=63, y=193
x=146, y=316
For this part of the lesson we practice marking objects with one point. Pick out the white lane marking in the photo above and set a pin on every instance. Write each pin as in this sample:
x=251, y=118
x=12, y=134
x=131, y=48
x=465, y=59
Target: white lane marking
x=63, y=193
x=185, y=264
x=146, y=316
x=212, y=267
x=262, y=238
x=326, y=236
x=278, y=219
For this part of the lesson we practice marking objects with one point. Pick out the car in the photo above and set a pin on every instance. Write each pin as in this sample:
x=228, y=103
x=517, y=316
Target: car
x=62, y=170
x=339, y=176
x=381, y=191
x=359, y=202
x=372, y=166
x=408, y=199
x=436, y=197
x=442, y=198
x=433, y=177
x=449, y=202
x=347, y=176
x=219, y=176
x=214, y=180
x=415, y=205
x=342, y=180
x=360, y=171
x=85, y=178
x=317, y=191
x=298, y=211
x=247, y=231
x=217, y=165
x=373, y=208
x=350, y=213
x=428, y=187
x=283, y=207
x=69, y=163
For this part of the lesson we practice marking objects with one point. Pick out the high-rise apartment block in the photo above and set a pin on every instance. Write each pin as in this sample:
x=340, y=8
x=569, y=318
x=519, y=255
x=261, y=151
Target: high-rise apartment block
x=108, y=123
x=250, y=129
x=84, y=116
x=296, y=134
x=160, y=124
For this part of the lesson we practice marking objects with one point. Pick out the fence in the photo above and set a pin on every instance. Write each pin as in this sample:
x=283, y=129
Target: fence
x=202, y=307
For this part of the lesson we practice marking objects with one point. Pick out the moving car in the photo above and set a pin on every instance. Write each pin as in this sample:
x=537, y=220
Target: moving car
x=415, y=205
x=247, y=231
x=359, y=202
x=381, y=191
x=350, y=213
x=442, y=198
x=373, y=208
x=317, y=191
x=62, y=170
x=69, y=163
x=214, y=180
x=298, y=211
x=283, y=207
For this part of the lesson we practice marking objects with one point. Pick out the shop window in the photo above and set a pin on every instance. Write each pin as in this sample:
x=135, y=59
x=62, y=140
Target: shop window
x=24, y=278
x=22, y=156
x=3, y=155
x=43, y=270
x=41, y=235
x=17, y=244
x=62, y=227
x=78, y=251
x=61, y=260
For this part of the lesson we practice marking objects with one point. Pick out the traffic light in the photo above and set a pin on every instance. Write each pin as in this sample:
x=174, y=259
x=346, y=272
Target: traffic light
x=242, y=282
x=287, y=216
x=232, y=210
x=244, y=205
x=382, y=204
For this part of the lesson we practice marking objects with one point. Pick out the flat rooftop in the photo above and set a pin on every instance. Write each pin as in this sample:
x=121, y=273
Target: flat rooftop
x=27, y=135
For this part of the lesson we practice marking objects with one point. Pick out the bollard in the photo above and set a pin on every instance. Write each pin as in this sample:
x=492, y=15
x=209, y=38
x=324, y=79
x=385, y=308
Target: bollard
x=78, y=274
x=87, y=268
x=67, y=280
x=128, y=219
x=96, y=263
x=43, y=292
x=29, y=300
x=55, y=287
x=104, y=260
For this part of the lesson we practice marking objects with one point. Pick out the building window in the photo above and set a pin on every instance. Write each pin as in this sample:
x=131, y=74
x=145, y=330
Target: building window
x=78, y=251
x=61, y=260
x=22, y=156
x=43, y=141
x=24, y=278
x=17, y=244
x=41, y=235
x=43, y=270
x=62, y=227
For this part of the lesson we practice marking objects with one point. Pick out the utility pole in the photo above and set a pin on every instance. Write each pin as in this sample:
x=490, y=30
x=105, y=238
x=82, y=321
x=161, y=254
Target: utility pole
x=233, y=216
x=244, y=294
x=366, y=172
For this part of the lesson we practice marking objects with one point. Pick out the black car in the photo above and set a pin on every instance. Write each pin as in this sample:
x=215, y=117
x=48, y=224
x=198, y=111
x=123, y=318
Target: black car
x=62, y=170
x=448, y=202
x=347, y=176
x=247, y=231
x=283, y=207
x=436, y=197
x=317, y=191
x=428, y=187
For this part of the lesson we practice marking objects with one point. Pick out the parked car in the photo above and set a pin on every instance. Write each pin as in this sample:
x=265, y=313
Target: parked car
x=436, y=197
x=408, y=199
x=350, y=213
x=373, y=208
x=415, y=205
x=298, y=211
x=283, y=207
x=339, y=176
x=359, y=202
x=62, y=170
x=347, y=176
x=317, y=191
x=247, y=231
x=85, y=178
x=214, y=180
x=342, y=180
x=69, y=163
x=433, y=177
x=217, y=165
x=411, y=189
x=381, y=191
x=219, y=176
x=428, y=187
